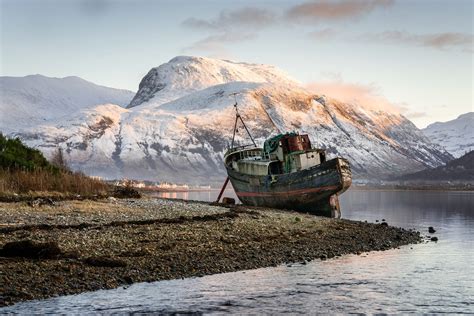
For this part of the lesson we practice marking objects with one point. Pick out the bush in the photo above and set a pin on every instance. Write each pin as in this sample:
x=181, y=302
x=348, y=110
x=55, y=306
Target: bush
x=15, y=155
x=23, y=169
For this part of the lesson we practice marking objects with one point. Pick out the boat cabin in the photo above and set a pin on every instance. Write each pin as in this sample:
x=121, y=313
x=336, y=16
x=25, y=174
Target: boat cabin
x=284, y=153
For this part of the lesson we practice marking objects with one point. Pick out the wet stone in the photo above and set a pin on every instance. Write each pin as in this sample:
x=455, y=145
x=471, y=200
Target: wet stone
x=30, y=249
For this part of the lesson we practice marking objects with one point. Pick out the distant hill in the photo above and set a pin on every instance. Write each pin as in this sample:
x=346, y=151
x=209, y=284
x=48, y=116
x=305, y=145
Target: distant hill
x=457, y=135
x=460, y=169
x=26, y=102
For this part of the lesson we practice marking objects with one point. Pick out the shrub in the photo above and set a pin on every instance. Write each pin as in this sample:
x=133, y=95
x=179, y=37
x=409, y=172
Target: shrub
x=23, y=169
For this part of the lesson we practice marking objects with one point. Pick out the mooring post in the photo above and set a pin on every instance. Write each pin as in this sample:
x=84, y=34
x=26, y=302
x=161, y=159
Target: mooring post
x=222, y=190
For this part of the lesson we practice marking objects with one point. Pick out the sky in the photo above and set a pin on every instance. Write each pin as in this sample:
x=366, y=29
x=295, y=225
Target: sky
x=414, y=54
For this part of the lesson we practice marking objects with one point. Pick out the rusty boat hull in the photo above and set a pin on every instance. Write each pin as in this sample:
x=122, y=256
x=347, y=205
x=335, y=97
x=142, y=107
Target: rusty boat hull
x=314, y=190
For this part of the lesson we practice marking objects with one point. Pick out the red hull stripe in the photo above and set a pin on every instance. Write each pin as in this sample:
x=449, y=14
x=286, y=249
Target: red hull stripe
x=288, y=193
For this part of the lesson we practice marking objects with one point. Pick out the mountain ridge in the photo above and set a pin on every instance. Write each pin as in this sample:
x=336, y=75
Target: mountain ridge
x=36, y=99
x=459, y=169
x=456, y=135
x=182, y=137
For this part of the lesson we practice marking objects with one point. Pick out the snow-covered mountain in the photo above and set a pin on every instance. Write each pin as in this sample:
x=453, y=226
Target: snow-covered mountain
x=457, y=135
x=183, y=140
x=183, y=75
x=36, y=99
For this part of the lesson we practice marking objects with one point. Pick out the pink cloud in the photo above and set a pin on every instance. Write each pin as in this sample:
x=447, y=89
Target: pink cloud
x=334, y=10
x=323, y=34
x=434, y=40
x=366, y=96
x=242, y=18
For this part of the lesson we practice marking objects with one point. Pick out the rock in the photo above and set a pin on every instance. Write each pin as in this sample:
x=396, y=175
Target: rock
x=30, y=249
x=128, y=279
x=431, y=230
x=111, y=199
x=41, y=202
x=126, y=192
x=434, y=238
x=105, y=262
x=228, y=200
x=383, y=224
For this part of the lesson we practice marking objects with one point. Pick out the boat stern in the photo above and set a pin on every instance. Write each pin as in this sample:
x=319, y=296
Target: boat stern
x=345, y=174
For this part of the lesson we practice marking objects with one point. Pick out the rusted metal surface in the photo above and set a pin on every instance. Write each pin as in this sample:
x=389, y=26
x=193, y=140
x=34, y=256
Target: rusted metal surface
x=222, y=190
x=298, y=143
x=308, y=190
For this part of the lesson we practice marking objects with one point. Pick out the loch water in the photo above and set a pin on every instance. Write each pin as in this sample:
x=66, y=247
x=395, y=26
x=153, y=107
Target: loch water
x=431, y=277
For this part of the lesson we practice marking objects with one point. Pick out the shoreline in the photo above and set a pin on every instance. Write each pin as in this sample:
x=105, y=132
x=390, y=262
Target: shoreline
x=105, y=244
x=57, y=196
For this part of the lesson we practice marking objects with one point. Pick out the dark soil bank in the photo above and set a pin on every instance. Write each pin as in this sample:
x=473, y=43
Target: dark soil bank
x=77, y=246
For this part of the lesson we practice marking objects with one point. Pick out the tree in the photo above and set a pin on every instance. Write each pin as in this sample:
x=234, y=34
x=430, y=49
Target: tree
x=58, y=159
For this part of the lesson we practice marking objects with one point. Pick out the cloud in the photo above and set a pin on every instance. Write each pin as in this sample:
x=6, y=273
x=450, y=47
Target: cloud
x=323, y=10
x=212, y=41
x=367, y=96
x=251, y=20
x=229, y=27
x=242, y=18
x=323, y=34
x=215, y=44
x=439, y=41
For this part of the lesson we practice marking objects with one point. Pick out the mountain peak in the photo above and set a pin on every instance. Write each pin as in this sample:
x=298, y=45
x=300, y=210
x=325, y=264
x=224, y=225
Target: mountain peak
x=186, y=74
x=457, y=135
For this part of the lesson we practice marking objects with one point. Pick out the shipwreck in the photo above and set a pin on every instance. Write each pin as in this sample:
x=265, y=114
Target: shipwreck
x=287, y=173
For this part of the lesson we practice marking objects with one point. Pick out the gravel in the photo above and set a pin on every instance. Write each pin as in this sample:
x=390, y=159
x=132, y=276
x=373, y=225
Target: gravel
x=109, y=243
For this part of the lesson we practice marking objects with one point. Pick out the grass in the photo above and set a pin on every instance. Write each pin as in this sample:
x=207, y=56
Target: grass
x=26, y=172
x=44, y=180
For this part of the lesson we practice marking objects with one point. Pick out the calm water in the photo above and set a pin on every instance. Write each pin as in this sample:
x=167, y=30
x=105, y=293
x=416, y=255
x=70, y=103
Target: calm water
x=429, y=278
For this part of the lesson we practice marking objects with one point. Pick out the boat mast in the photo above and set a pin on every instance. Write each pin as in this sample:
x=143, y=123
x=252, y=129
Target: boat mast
x=238, y=117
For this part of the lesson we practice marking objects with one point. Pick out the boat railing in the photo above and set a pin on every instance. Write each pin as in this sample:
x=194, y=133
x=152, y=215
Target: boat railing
x=237, y=148
x=251, y=154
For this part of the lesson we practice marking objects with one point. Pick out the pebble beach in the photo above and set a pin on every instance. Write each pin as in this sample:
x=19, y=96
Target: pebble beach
x=76, y=246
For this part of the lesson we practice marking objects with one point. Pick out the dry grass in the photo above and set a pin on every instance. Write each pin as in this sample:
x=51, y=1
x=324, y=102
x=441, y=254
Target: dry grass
x=40, y=180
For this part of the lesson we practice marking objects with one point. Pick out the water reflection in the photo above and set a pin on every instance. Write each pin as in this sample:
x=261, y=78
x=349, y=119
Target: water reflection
x=208, y=196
